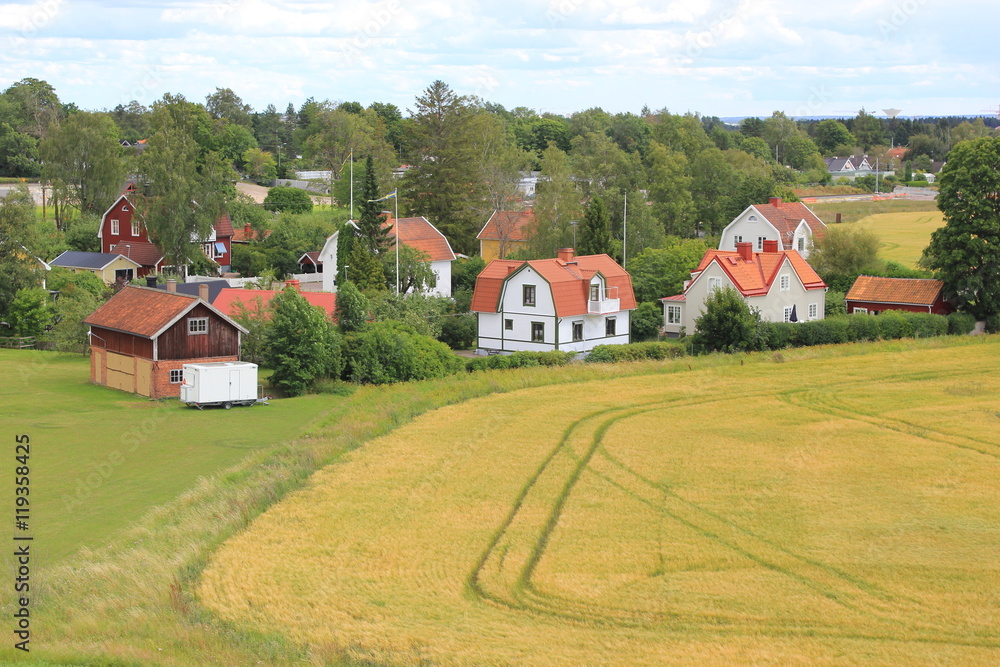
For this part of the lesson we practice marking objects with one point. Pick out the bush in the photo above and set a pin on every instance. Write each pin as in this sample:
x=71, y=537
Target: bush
x=636, y=351
x=835, y=304
x=823, y=332
x=646, y=321
x=892, y=325
x=728, y=324
x=993, y=324
x=520, y=360
x=779, y=335
x=862, y=327
x=284, y=199
x=960, y=324
x=387, y=352
x=301, y=344
x=458, y=331
x=926, y=324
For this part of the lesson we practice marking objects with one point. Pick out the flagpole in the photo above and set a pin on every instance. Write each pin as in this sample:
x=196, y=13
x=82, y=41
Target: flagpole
x=624, y=229
x=351, y=157
x=396, y=225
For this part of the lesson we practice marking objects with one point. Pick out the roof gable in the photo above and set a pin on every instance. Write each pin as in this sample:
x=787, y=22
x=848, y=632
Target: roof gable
x=75, y=259
x=146, y=312
x=420, y=234
x=755, y=277
x=508, y=225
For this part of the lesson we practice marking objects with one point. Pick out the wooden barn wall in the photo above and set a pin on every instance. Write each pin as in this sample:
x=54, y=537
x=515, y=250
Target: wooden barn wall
x=122, y=343
x=222, y=339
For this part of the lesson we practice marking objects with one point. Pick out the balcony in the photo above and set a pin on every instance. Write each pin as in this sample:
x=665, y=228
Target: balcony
x=604, y=301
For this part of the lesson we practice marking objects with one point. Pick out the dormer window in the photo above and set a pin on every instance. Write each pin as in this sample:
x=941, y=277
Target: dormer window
x=595, y=292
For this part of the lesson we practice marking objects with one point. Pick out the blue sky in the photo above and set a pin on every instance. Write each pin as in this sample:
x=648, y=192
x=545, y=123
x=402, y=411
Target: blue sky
x=716, y=57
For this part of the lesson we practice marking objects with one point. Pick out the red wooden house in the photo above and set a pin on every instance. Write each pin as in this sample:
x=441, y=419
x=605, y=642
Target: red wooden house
x=141, y=338
x=122, y=232
x=871, y=294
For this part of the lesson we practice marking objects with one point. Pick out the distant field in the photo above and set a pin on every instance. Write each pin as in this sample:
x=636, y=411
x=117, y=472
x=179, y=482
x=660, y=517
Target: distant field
x=904, y=235
x=101, y=458
x=822, y=510
x=853, y=211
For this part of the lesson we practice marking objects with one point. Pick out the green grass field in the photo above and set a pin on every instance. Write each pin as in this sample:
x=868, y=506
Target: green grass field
x=101, y=458
x=834, y=508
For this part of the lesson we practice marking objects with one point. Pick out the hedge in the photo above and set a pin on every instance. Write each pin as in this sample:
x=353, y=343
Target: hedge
x=636, y=351
x=520, y=360
x=960, y=324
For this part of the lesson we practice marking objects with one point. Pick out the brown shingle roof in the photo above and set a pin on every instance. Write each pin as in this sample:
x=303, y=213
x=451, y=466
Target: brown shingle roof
x=223, y=226
x=909, y=291
x=420, y=234
x=513, y=225
x=786, y=216
x=141, y=311
x=143, y=252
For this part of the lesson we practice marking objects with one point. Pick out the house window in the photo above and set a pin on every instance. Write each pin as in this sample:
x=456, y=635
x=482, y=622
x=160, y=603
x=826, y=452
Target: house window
x=813, y=311
x=115, y=228
x=508, y=325
x=786, y=282
x=802, y=243
x=609, y=326
x=124, y=207
x=176, y=375
x=537, y=332
x=577, y=331
x=752, y=218
x=737, y=239
x=860, y=310
x=788, y=313
x=197, y=326
x=595, y=292
x=760, y=243
x=135, y=228
x=673, y=314
x=714, y=284
x=529, y=295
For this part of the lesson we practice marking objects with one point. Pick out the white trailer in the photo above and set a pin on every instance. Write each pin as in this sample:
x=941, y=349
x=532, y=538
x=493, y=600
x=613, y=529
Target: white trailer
x=223, y=383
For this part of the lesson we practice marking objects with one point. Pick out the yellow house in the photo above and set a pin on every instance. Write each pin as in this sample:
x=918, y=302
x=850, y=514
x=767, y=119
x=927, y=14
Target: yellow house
x=505, y=232
x=109, y=267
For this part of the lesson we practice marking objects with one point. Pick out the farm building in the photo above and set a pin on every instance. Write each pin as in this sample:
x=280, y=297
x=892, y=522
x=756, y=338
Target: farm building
x=505, y=232
x=109, y=267
x=780, y=284
x=567, y=303
x=141, y=338
x=871, y=294
x=417, y=233
x=791, y=224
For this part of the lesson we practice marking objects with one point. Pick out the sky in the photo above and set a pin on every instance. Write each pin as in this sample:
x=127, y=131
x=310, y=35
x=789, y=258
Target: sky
x=727, y=58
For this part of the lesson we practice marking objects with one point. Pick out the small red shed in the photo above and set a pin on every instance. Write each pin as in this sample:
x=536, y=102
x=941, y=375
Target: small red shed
x=872, y=294
x=141, y=338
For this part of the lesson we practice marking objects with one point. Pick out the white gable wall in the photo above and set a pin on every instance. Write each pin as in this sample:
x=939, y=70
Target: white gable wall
x=750, y=225
x=328, y=256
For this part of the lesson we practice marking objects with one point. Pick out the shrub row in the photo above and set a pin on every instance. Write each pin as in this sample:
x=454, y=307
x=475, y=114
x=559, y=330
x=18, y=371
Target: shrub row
x=520, y=360
x=636, y=351
x=891, y=324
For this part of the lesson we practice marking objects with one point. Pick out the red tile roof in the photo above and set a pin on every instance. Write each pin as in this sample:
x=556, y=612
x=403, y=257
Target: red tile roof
x=570, y=282
x=223, y=226
x=755, y=277
x=676, y=297
x=420, y=234
x=143, y=252
x=144, y=311
x=786, y=216
x=908, y=291
x=252, y=299
x=513, y=225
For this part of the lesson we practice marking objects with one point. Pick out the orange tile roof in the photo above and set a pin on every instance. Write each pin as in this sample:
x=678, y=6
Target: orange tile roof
x=786, y=216
x=512, y=225
x=755, y=277
x=228, y=297
x=570, y=282
x=910, y=291
x=144, y=311
x=420, y=234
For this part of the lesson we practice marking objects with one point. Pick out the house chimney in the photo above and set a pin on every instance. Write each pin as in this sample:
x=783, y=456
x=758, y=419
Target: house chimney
x=203, y=292
x=294, y=284
x=565, y=254
x=172, y=286
x=150, y=281
x=745, y=248
x=247, y=231
x=770, y=245
x=775, y=201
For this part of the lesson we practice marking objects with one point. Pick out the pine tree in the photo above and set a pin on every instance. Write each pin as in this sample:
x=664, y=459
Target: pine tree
x=374, y=236
x=595, y=236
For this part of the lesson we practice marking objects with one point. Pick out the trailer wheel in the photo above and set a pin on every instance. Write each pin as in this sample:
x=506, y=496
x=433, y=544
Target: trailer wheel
x=227, y=405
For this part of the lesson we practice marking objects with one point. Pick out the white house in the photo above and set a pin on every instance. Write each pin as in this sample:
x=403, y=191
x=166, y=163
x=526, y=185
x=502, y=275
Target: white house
x=779, y=284
x=567, y=303
x=791, y=224
x=416, y=233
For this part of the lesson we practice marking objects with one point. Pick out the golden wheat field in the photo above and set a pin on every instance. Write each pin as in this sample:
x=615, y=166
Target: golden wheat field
x=823, y=511
x=904, y=235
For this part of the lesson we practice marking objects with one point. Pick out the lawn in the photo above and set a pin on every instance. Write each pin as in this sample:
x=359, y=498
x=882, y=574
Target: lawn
x=101, y=458
x=840, y=506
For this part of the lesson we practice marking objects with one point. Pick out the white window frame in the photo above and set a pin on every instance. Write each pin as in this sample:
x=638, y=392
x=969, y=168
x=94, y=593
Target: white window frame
x=673, y=314
x=856, y=309
x=197, y=326
x=785, y=282
x=788, y=313
x=176, y=375
x=737, y=238
x=760, y=243
x=115, y=227
x=813, y=311
x=802, y=244
x=135, y=228
x=714, y=284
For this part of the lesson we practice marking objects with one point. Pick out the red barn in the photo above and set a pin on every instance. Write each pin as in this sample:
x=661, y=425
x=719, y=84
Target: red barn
x=141, y=338
x=871, y=294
